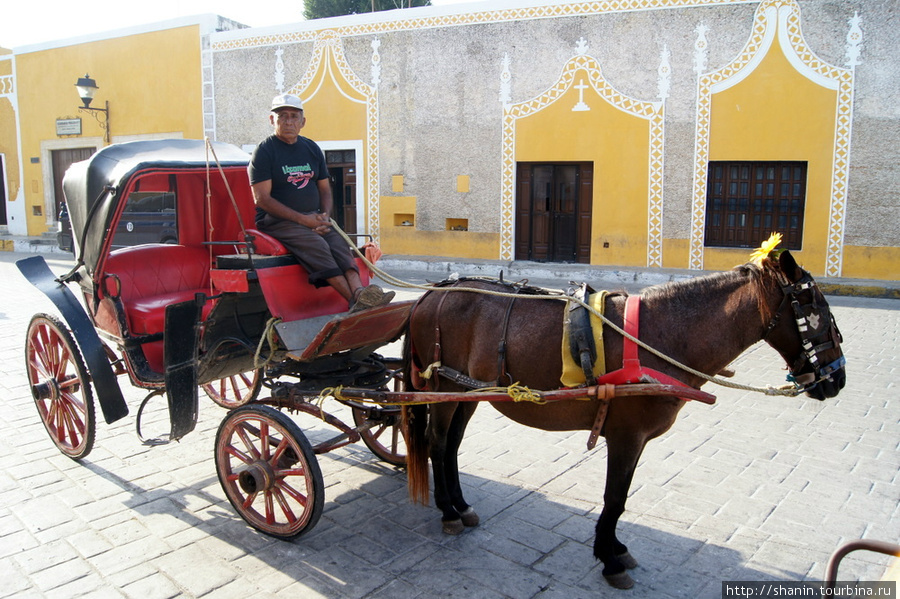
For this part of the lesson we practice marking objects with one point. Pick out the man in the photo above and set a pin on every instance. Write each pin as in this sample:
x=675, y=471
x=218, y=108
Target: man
x=293, y=197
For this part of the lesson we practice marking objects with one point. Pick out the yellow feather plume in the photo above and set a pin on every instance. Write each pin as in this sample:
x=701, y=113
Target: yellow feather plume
x=763, y=251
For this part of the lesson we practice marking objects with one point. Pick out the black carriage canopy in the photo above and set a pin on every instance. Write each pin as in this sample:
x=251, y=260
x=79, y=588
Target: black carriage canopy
x=93, y=187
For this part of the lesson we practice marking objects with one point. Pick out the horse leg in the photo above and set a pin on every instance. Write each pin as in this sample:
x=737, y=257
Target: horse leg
x=622, y=459
x=443, y=441
x=467, y=516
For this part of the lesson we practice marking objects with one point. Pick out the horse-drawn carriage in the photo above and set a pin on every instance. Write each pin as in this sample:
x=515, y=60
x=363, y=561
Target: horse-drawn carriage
x=228, y=310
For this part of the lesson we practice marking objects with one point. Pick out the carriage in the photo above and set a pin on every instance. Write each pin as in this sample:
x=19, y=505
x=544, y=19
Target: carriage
x=228, y=312
x=224, y=312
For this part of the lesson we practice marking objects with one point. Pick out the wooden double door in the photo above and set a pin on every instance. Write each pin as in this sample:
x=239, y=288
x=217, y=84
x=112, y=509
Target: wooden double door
x=553, y=211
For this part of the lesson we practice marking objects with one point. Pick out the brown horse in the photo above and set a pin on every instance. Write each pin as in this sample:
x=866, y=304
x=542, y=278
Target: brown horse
x=704, y=323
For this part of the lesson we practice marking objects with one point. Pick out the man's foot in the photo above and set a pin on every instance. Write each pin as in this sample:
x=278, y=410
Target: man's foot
x=370, y=297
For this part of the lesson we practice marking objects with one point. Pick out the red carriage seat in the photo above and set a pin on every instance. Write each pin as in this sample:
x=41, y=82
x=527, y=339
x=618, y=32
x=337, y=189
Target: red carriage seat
x=147, y=278
x=284, y=282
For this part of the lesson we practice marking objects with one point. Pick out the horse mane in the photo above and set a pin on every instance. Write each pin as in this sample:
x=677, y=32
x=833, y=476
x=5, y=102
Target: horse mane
x=760, y=281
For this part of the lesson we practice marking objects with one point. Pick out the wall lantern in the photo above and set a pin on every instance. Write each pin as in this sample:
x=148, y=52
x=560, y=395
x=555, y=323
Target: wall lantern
x=87, y=87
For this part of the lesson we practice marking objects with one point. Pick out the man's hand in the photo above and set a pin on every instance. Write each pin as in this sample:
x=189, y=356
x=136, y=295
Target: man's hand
x=322, y=223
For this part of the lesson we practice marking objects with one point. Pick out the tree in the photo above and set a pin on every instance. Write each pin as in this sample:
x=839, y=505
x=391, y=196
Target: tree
x=319, y=9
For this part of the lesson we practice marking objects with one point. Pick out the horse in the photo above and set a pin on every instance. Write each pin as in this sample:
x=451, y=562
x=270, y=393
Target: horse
x=703, y=323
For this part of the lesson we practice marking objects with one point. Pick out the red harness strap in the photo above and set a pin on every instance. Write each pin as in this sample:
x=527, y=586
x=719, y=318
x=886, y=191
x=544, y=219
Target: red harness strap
x=632, y=371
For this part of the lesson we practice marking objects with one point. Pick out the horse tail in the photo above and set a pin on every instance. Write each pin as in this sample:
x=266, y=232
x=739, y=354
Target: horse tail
x=415, y=419
x=415, y=425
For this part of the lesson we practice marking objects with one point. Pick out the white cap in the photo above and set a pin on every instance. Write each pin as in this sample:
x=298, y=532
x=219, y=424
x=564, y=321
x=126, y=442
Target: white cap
x=286, y=101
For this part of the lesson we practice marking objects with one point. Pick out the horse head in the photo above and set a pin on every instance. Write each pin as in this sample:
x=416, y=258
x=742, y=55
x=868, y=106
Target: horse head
x=803, y=330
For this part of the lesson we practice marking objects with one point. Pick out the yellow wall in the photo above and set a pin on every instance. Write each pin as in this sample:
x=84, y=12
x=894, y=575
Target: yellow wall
x=778, y=114
x=617, y=143
x=8, y=139
x=152, y=82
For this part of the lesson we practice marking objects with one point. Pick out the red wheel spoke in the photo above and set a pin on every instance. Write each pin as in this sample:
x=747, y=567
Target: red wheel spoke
x=270, y=509
x=248, y=501
x=283, y=504
x=293, y=493
x=242, y=432
x=234, y=451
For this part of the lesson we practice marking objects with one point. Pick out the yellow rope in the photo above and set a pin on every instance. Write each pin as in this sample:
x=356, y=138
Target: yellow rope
x=429, y=372
x=267, y=336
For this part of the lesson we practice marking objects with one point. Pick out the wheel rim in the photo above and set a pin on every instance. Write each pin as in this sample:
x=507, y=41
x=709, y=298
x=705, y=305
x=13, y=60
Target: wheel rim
x=269, y=472
x=59, y=386
x=385, y=439
x=236, y=390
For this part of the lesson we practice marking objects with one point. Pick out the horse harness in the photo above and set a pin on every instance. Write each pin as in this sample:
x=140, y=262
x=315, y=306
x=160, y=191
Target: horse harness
x=581, y=345
x=818, y=331
x=454, y=375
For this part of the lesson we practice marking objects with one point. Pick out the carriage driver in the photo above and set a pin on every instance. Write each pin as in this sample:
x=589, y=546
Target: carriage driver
x=292, y=190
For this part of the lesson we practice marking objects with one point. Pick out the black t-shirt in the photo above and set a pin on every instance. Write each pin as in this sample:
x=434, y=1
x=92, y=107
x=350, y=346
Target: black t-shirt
x=294, y=170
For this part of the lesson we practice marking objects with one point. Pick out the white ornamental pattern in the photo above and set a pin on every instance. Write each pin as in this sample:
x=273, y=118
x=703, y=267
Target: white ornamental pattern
x=472, y=18
x=777, y=19
x=329, y=46
x=651, y=111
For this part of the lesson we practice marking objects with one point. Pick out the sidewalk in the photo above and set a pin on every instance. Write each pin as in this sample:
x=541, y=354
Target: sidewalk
x=436, y=268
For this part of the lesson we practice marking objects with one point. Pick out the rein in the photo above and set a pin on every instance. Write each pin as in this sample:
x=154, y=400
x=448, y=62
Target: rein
x=792, y=389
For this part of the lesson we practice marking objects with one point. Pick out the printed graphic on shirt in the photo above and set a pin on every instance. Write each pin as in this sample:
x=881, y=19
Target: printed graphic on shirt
x=298, y=176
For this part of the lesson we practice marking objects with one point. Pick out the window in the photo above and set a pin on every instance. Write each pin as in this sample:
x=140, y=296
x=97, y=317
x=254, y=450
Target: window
x=748, y=201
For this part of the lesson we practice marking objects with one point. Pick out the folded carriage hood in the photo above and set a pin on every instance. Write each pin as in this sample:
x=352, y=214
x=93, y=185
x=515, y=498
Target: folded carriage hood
x=91, y=186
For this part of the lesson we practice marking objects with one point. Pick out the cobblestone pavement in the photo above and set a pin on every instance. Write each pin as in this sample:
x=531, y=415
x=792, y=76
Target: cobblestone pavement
x=752, y=488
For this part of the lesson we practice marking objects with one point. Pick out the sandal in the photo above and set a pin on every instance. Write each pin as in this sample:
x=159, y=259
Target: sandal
x=370, y=297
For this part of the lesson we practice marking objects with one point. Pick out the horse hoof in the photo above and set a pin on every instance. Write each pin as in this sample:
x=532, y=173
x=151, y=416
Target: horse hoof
x=470, y=518
x=452, y=527
x=626, y=560
x=622, y=580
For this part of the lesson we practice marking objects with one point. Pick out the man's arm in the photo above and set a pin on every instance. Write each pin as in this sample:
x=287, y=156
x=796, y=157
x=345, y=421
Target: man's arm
x=262, y=194
x=326, y=199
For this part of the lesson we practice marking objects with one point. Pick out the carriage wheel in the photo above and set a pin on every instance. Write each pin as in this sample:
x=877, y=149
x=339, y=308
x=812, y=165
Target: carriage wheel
x=269, y=471
x=60, y=385
x=385, y=437
x=236, y=390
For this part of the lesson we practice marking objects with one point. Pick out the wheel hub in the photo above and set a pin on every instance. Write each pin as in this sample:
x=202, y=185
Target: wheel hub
x=256, y=477
x=48, y=389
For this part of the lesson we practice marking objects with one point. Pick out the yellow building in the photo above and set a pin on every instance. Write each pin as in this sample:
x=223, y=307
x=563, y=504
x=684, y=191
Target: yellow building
x=152, y=84
x=660, y=133
x=633, y=133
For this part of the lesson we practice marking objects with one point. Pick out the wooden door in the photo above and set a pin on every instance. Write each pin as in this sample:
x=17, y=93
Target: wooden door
x=553, y=212
x=61, y=161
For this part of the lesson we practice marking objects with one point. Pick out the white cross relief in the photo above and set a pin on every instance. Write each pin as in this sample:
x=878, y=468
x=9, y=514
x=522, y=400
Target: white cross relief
x=581, y=106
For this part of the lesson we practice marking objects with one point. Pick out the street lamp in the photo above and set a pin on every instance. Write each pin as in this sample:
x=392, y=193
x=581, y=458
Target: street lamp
x=87, y=87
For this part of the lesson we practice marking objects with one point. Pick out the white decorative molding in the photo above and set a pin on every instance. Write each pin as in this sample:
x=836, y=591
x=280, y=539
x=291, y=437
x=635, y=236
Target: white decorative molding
x=581, y=47
x=327, y=51
x=650, y=111
x=701, y=49
x=505, y=81
x=664, y=75
x=580, y=106
x=777, y=19
x=376, y=63
x=279, y=70
x=854, y=42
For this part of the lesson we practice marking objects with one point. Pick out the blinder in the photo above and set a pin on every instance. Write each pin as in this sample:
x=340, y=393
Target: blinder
x=818, y=333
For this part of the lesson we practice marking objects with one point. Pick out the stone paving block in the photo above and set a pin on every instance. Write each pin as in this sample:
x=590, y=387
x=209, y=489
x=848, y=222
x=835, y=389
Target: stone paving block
x=755, y=487
x=194, y=570
x=152, y=587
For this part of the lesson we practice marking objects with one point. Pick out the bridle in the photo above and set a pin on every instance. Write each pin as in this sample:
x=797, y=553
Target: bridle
x=818, y=332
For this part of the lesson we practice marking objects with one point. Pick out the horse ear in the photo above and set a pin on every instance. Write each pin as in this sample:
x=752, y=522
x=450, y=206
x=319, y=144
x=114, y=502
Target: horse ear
x=789, y=266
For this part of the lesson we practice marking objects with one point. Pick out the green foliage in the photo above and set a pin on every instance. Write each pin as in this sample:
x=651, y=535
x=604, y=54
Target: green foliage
x=319, y=9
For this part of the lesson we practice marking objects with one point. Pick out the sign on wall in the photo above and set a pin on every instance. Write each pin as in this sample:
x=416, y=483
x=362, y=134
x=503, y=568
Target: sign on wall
x=68, y=127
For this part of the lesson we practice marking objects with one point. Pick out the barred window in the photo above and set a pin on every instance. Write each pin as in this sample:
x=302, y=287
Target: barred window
x=747, y=201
